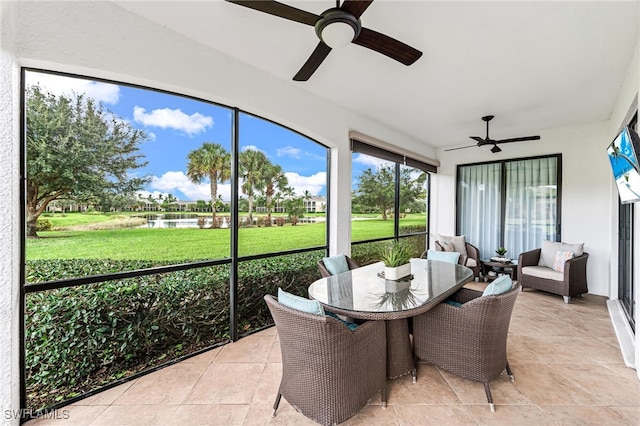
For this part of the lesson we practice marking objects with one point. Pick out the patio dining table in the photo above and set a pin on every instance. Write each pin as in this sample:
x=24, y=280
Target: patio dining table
x=363, y=293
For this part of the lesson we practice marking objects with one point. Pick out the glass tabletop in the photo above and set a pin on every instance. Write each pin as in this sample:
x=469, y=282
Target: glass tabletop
x=365, y=289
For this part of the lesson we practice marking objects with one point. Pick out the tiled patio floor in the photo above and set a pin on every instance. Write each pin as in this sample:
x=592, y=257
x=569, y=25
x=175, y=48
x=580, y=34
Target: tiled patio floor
x=566, y=360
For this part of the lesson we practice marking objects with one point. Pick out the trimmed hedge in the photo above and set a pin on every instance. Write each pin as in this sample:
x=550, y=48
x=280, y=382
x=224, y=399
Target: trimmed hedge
x=82, y=338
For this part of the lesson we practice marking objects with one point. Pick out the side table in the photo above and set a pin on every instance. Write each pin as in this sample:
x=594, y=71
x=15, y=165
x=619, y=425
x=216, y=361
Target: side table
x=510, y=268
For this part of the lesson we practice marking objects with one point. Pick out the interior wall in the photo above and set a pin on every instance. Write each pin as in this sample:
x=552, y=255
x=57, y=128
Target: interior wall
x=586, y=189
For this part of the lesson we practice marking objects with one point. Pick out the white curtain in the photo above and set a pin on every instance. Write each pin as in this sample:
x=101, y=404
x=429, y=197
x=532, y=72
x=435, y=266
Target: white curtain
x=479, y=207
x=530, y=204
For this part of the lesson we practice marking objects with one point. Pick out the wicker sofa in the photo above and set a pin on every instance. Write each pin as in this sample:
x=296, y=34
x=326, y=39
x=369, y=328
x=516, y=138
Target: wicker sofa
x=536, y=273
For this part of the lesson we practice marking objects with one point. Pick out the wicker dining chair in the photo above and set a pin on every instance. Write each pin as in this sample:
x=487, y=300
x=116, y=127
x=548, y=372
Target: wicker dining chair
x=469, y=340
x=329, y=372
x=325, y=272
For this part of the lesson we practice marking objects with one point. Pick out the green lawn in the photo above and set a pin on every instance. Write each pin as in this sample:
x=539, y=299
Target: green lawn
x=186, y=243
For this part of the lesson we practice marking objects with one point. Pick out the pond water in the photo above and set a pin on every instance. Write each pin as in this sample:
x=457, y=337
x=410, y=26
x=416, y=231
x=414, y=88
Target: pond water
x=172, y=220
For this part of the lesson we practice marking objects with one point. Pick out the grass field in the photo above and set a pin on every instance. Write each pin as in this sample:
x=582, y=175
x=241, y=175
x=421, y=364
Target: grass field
x=185, y=243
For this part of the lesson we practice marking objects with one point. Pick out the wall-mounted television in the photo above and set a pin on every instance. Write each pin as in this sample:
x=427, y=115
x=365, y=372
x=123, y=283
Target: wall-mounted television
x=623, y=153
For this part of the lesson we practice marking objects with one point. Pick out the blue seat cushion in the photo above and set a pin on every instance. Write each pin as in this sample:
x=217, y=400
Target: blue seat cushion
x=453, y=303
x=443, y=256
x=500, y=285
x=300, y=303
x=336, y=264
x=352, y=325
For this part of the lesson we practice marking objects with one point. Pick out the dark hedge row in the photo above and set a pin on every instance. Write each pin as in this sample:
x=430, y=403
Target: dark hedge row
x=82, y=338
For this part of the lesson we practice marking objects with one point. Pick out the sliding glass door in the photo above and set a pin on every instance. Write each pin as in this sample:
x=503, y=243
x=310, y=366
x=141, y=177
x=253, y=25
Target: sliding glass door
x=512, y=204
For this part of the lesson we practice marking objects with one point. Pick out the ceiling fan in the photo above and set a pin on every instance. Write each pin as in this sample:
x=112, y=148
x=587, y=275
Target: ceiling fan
x=336, y=27
x=487, y=141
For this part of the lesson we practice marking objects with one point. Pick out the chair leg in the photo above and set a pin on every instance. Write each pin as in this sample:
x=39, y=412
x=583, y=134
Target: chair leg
x=488, y=392
x=383, y=396
x=566, y=299
x=510, y=373
x=276, y=404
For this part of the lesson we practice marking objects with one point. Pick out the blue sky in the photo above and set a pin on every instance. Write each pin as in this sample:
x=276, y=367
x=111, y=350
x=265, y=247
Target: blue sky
x=177, y=125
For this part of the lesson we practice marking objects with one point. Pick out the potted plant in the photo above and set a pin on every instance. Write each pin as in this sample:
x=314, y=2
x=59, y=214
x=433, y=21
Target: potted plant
x=501, y=251
x=396, y=257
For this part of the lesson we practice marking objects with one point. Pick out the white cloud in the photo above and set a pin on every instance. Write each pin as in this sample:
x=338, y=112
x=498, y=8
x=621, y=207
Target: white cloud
x=289, y=151
x=60, y=85
x=167, y=118
x=171, y=182
x=373, y=162
x=314, y=183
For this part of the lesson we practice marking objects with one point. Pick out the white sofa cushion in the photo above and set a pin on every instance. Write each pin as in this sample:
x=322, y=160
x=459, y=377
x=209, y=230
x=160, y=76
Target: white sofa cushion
x=458, y=242
x=542, y=272
x=471, y=263
x=550, y=248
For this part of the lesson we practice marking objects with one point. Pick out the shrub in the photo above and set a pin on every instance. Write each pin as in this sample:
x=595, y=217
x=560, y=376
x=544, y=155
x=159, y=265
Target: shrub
x=82, y=338
x=43, y=224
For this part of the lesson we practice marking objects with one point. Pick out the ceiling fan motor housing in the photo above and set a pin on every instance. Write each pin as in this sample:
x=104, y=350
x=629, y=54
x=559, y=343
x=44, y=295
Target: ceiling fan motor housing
x=336, y=15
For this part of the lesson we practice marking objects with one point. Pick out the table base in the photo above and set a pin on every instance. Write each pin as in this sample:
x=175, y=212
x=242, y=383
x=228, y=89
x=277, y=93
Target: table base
x=400, y=359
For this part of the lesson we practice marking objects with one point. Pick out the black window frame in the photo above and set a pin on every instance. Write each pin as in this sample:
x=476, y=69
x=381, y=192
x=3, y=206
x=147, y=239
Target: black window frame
x=503, y=191
x=233, y=261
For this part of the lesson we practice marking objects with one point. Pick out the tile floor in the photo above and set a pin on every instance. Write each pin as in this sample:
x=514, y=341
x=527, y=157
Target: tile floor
x=566, y=360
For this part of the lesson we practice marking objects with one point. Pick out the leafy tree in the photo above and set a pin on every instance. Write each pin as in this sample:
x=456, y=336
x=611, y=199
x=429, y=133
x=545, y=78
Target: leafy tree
x=169, y=202
x=295, y=209
x=252, y=166
x=210, y=161
x=274, y=179
x=76, y=149
x=413, y=194
x=376, y=190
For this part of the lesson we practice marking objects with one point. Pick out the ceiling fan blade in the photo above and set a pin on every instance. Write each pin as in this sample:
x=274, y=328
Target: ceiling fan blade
x=319, y=54
x=387, y=46
x=461, y=147
x=522, y=139
x=355, y=7
x=279, y=9
x=477, y=139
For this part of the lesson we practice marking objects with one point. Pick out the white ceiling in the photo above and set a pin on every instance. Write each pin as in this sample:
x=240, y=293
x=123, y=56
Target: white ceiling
x=534, y=65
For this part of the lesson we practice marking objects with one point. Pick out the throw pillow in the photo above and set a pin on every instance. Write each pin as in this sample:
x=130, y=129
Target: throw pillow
x=447, y=246
x=300, y=303
x=443, y=256
x=547, y=253
x=457, y=241
x=560, y=258
x=549, y=249
x=500, y=285
x=336, y=264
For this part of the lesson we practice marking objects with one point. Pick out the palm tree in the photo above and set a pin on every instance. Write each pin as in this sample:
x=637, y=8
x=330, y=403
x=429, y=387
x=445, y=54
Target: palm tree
x=210, y=161
x=306, y=196
x=252, y=165
x=274, y=178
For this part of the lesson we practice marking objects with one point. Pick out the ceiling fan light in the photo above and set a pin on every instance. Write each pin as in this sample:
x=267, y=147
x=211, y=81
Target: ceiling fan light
x=337, y=28
x=338, y=34
x=495, y=149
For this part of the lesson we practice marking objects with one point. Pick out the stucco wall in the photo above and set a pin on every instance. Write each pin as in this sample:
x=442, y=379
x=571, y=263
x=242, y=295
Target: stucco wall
x=9, y=223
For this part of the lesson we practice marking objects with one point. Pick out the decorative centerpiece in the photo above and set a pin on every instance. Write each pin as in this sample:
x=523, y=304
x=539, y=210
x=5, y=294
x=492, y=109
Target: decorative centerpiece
x=396, y=257
x=501, y=252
